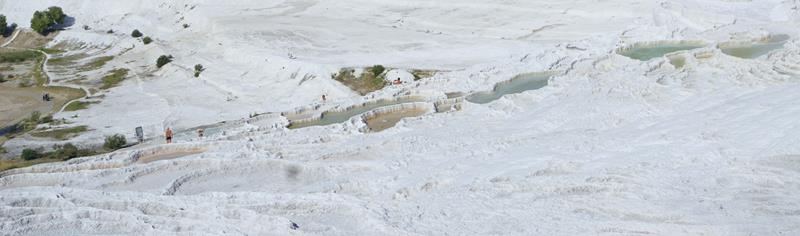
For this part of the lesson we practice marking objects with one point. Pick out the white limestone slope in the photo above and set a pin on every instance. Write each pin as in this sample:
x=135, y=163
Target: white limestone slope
x=612, y=146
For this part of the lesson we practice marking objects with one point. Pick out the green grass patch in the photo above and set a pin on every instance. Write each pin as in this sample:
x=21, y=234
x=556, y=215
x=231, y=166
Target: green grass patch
x=97, y=63
x=61, y=134
x=366, y=83
x=66, y=60
x=78, y=105
x=19, y=56
x=114, y=78
x=51, y=50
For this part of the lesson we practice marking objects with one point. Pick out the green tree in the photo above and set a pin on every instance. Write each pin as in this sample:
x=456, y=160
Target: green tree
x=56, y=15
x=43, y=20
x=40, y=22
x=147, y=40
x=3, y=25
x=136, y=33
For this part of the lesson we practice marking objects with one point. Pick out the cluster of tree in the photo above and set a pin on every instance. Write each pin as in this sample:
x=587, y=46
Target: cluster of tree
x=63, y=152
x=42, y=21
x=68, y=151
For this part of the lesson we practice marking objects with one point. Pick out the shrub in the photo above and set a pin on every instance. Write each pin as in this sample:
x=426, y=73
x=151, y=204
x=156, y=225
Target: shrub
x=147, y=40
x=115, y=142
x=197, y=69
x=185, y=26
x=66, y=151
x=30, y=154
x=377, y=70
x=136, y=33
x=163, y=60
x=111, y=31
x=3, y=25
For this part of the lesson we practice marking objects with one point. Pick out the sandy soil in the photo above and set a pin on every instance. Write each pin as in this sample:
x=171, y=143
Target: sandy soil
x=30, y=39
x=18, y=103
x=388, y=120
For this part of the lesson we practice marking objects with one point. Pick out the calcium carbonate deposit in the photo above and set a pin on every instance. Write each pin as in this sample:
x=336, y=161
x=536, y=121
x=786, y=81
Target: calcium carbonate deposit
x=697, y=133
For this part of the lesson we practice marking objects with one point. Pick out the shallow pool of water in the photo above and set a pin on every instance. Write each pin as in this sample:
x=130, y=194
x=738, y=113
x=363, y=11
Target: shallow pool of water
x=191, y=133
x=335, y=117
x=756, y=49
x=647, y=52
x=518, y=84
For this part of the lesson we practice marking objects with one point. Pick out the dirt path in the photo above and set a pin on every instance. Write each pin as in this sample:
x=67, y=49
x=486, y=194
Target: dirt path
x=9, y=40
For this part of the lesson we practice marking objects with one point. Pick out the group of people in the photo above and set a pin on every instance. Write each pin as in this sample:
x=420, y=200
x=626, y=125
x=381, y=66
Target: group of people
x=46, y=97
x=168, y=134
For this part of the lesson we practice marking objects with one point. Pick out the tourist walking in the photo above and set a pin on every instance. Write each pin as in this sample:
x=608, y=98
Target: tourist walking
x=168, y=135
